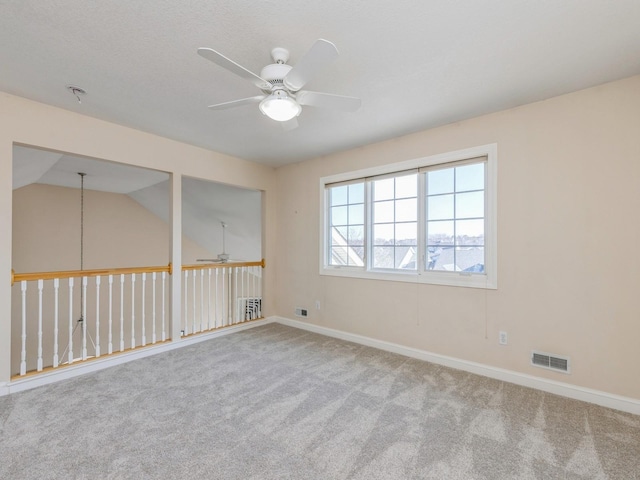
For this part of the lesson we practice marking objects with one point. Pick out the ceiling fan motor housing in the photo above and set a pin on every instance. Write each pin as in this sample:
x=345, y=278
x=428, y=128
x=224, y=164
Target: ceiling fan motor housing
x=275, y=73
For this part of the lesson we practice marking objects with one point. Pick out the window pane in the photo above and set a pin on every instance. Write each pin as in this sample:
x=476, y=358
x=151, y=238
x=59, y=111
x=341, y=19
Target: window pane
x=407, y=233
x=407, y=186
x=405, y=258
x=440, y=233
x=383, y=189
x=470, y=177
x=356, y=256
x=441, y=258
x=440, y=181
x=383, y=257
x=469, y=231
x=338, y=195
x=407, y=210
x=433, y=257
x=470, y=205
x=338, y=215
x=356, y=235
x=383, y=212
x=440, y=207
x=339, y=256
x=383, y=234
x=356, y=193
x=470, y=259
x=356, y=214
x=339, y=235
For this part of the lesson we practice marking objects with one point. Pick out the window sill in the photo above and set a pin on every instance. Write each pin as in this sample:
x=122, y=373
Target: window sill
x=451, y=279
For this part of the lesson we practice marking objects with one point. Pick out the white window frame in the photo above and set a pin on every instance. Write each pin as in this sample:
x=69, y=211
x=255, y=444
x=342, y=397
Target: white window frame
x=487, y=280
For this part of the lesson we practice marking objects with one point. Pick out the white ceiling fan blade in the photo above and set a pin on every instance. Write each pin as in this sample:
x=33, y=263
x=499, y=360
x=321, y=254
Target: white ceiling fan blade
x=237, y=103
x=321, y=54
x=289, y=124
x=328, y=100
x=232, y=66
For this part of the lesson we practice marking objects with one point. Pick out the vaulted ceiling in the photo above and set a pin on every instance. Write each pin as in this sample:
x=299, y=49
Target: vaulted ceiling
x=415, y=64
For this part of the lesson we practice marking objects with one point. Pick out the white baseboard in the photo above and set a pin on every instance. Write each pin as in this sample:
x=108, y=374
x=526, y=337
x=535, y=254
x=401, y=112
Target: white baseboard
x=64, y=373
x=597, y=397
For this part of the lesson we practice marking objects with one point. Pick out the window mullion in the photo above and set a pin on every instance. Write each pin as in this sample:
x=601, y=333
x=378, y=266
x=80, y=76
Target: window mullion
x=421, y=258
x=455, y=220
x=368, y=218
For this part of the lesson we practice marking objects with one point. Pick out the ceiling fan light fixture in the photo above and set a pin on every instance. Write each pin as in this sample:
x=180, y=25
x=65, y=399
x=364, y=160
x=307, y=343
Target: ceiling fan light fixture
x=280, y=107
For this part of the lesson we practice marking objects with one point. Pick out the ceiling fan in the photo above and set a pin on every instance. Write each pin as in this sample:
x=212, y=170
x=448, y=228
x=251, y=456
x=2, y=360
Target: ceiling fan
x=222, y=257
x=281, y=84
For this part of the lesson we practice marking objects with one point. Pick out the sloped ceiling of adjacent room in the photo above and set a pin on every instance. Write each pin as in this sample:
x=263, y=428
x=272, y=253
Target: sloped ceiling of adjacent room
x=204, y=204
x=414, y=64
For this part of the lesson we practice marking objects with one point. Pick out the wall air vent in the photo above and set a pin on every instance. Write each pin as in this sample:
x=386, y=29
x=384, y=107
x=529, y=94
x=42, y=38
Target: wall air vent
x=550, y=361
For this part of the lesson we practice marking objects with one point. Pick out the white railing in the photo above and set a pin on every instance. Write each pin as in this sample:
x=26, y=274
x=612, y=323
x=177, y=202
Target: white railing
x=60, y=318
x=218, y=295
x=70, y=316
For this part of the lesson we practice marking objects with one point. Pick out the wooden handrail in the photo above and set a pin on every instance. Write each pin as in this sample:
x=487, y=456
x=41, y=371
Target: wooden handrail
x=32, y=276
x=18, y=277
x=202, y=266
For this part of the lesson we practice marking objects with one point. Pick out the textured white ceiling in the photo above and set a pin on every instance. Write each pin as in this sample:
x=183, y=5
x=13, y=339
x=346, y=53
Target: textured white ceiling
x=32, y=165
x=415, y=64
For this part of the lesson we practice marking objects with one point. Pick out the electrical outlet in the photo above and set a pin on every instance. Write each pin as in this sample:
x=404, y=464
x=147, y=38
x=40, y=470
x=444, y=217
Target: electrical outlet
x=301, y=312
x=317, y=304
x=502, y=338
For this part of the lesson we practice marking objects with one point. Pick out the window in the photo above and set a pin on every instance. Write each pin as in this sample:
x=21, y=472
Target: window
x=428, y=220
x=346, y=220
x=455, y=198
x=394, y=222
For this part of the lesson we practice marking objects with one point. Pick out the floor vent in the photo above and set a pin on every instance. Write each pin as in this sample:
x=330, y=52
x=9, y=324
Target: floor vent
x=550, y=361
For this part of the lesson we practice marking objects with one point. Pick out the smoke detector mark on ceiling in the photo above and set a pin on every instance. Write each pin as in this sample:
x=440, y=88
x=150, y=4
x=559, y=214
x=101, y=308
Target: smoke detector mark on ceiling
x=76, y=91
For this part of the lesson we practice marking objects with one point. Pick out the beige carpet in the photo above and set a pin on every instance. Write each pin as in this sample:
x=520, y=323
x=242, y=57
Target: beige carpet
x=275, y=402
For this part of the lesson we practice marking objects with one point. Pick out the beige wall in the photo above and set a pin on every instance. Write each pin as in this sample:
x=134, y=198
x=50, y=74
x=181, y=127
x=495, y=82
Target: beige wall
x=118, y=231
x=30, y=123
x=568, y=231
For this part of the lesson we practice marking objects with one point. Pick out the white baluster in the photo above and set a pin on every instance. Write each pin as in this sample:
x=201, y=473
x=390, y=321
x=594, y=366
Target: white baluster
x=257, y=293
x=222, y=296
x=133, y=310
x=186, y=303
x=209, y=299
x=23, y=352
x=110, y=343
x=56, y=289
x=201, y=296
x=144, y=332
x=70, y=348
x=216, y=303
x=122, y=312
x=39, y=361
x=260, y=291
x=164, y=278
x=97, y=316
x=153, y=308
x=235, y=303
x=84, y=318
x=193, y=288
x=254, y=309
x=243, y=313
